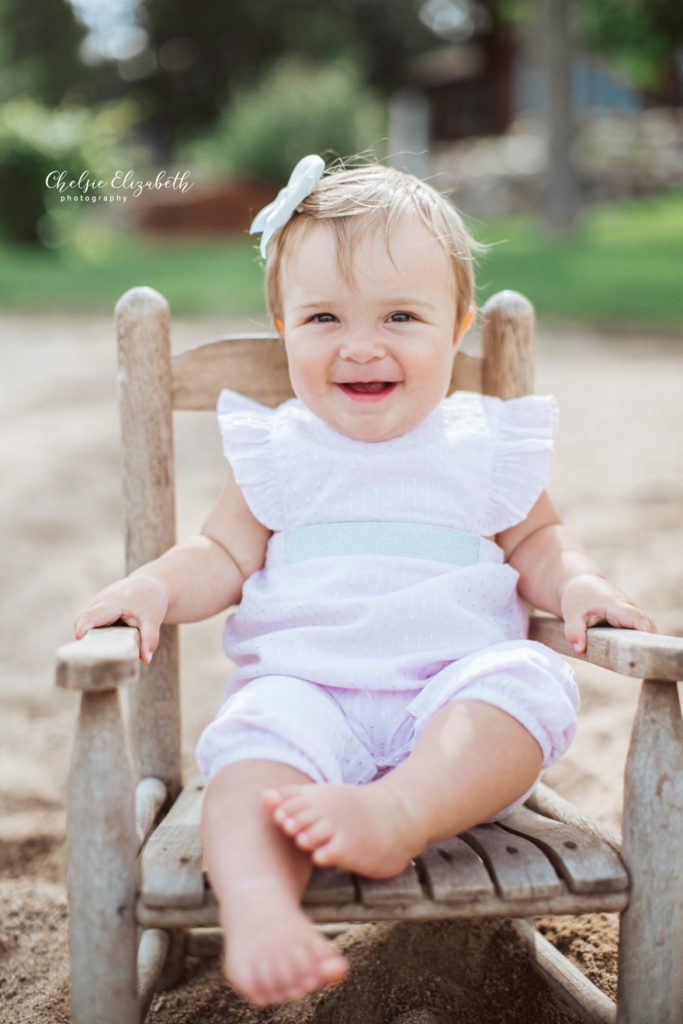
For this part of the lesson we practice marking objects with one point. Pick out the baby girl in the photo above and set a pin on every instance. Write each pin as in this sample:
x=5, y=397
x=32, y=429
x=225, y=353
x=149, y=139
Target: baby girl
x=382, y=541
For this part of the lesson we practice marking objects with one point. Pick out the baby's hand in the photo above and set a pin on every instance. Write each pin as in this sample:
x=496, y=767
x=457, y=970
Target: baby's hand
x=139, y=600
x=587, y=600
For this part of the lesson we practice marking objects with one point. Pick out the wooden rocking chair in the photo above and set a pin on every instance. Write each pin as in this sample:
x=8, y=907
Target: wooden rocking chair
x=138, y=896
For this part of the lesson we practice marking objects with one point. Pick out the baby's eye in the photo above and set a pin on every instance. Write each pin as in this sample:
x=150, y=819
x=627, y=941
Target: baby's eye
x=323, y=318
x=401, y=317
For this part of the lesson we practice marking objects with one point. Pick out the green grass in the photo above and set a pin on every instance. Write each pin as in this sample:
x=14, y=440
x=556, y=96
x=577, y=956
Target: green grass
x=623, y=269
x=196, y=277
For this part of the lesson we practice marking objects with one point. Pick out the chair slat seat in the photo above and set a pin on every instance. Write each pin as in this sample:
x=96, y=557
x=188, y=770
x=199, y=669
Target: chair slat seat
x=523, y=865
x=589, y=866
x=454, y=873
x=520, y=870
x=171, y=860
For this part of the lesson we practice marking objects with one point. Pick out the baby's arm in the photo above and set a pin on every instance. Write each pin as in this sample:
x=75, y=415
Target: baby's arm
x=193, y=580
x=556, y=575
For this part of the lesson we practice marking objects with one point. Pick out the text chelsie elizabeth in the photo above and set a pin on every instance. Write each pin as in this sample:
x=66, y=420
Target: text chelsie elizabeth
x=118, y=189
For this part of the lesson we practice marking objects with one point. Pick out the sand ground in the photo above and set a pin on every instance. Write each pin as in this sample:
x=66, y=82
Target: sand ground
x=617, y=481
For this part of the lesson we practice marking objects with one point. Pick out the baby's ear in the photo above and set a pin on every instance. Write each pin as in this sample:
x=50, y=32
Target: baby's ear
x=467, y=322
x=280, y=326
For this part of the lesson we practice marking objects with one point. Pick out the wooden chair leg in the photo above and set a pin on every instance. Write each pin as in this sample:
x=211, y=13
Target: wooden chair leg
x=174, y=967
x=101, y=868
x=651, y=936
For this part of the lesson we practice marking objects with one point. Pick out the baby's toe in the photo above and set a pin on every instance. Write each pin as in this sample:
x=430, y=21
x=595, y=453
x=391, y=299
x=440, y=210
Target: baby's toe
x=272, y=982
x=304, y=975
x=333, y=968
x=292, y=805
x=248, y=985
x=294, y=823
x=305, y=985
x=272, y=798
x=325, y=854
x=317, y=833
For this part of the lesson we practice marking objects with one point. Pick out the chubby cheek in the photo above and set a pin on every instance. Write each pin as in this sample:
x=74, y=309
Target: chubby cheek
x=307, y=372
x=431, y=377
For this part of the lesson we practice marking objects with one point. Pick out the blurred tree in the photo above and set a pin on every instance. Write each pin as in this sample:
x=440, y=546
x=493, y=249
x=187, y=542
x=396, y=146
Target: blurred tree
x=262, y=133
x=643, y=37
x=40, y=55
x=201, y=57
x=31, y=36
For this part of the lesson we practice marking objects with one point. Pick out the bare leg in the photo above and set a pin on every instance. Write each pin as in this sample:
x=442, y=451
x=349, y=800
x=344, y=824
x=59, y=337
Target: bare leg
x=273, y=952
x=471, y=760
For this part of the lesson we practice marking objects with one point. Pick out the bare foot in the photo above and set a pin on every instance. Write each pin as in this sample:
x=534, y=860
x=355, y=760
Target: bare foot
x=273, y=953
x=370, y=829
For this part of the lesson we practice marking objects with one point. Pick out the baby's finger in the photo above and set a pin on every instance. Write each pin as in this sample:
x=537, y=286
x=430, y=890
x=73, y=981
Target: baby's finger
x=575, y=632
x=628, y=617
x=149, y=639
x=93, y=617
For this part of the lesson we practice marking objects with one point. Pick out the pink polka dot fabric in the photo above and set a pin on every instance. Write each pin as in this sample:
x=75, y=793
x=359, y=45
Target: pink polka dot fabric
x=387, y=624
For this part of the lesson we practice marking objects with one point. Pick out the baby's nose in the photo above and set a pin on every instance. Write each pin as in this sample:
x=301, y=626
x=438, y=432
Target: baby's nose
x=362, y=347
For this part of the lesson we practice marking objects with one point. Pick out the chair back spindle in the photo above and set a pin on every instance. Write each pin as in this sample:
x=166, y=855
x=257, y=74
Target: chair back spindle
x=145, y=389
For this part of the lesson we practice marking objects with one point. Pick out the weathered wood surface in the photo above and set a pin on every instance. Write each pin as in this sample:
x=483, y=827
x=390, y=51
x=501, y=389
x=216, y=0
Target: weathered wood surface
x=492, y=870
x=588, y=866
x=571, y=986
x=152, y=953
x=454, y=873
x=144, y=357
x=329, y=885
x=391, y=892
x=172, y=872
x=650, y=984
x=150, y=797
x=104, y=659
x=518, y=868
x=424, y=909
x=507, y=345
x=550, y=804
x=256, y=366
x=101, y=848
x=208, y=942
x=628, y=652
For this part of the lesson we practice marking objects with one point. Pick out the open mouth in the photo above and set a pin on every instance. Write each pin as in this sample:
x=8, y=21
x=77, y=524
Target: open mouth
x=368, y=390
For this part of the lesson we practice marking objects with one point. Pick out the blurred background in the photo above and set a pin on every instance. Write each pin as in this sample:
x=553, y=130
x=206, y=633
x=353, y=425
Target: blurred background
x=555, y=125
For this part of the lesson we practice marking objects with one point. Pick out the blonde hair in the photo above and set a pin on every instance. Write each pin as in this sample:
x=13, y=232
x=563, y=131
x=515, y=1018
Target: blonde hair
x=354, y=202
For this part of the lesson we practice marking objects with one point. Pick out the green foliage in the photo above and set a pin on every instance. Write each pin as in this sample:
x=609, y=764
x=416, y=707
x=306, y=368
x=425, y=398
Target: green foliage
x=236, y=41
x=39, y=47
x=35, y=140
x=640, y=37
x=297, y=108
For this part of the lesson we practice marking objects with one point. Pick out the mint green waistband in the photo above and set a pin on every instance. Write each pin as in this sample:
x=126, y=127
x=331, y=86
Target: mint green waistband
x=407, y=540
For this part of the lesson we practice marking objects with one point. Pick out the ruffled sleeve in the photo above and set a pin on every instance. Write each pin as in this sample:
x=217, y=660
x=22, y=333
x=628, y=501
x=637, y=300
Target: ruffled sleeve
x=246, y=429
x=522, y=459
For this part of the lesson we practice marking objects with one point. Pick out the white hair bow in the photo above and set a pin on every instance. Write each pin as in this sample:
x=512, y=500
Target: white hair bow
x=302, y=181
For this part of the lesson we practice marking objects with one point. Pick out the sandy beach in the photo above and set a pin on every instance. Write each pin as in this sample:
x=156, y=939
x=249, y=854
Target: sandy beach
x=617, y=482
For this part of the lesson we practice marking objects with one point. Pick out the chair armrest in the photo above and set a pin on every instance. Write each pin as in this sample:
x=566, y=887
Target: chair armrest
x=106, y=658
x=629, y=652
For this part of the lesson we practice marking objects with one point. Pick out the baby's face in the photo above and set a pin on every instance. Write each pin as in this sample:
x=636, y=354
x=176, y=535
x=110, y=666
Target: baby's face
x=371, y=357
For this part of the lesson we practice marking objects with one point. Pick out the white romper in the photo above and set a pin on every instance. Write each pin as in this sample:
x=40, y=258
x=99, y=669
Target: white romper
x=381, y=598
